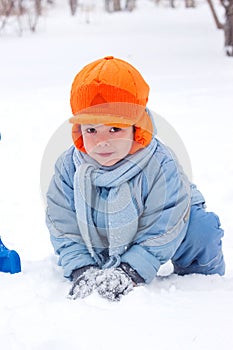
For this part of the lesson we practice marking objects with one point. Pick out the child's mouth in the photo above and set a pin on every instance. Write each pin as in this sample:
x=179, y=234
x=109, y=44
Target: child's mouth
x=106, y=154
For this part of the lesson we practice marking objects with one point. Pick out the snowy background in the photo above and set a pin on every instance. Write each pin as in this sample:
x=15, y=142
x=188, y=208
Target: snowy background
x=180, y=54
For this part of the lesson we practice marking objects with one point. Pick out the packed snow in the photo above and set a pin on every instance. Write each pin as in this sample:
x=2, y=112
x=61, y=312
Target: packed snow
x=180, y=53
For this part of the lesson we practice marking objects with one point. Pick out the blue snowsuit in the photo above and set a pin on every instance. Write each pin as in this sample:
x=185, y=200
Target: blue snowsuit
x=171, y=225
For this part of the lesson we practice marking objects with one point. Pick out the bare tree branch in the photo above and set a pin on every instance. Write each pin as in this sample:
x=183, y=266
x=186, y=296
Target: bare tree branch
x=219, y=25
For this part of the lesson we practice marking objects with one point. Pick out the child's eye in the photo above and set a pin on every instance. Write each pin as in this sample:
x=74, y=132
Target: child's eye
x=91, y=130
x=115, y=129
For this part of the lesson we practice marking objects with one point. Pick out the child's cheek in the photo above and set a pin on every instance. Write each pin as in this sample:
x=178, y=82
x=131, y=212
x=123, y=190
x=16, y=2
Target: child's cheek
x=89, y=143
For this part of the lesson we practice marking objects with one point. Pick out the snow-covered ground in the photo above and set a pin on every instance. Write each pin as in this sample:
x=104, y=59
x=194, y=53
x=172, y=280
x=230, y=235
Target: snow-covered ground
x=180, y=54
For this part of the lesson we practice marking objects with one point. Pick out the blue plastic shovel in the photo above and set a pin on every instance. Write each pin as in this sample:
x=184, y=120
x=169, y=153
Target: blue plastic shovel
x=9, y=260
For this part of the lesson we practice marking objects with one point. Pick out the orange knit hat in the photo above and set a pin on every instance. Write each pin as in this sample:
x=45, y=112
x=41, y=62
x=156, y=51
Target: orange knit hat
x=110, y=91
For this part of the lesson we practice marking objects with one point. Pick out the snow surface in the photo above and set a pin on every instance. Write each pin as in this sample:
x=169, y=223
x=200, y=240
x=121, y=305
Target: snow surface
x=180, y=54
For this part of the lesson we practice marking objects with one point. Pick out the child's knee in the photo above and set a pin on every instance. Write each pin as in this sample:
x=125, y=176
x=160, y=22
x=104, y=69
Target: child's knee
x=204, y=226
x=201, y=250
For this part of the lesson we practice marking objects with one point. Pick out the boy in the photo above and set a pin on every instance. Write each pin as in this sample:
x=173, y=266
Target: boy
x=119, y=204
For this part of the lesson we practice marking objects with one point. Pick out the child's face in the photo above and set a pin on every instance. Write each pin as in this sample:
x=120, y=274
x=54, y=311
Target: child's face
x=107, y=144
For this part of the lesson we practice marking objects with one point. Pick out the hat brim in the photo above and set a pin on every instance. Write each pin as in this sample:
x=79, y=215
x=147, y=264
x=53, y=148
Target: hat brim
x=97, y=119
x=110, y=113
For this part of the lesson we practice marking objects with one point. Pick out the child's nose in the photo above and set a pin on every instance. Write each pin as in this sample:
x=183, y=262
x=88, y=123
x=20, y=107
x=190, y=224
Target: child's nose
x=103, y=141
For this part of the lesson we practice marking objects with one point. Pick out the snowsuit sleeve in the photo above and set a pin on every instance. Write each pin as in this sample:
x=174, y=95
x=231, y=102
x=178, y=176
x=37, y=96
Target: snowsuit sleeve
x=163, y=222
x=61, y=218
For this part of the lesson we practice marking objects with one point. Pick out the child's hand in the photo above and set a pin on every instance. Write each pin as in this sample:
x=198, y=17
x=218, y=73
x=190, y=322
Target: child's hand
x=110, y=283
x=84, y=284
x=113, y=283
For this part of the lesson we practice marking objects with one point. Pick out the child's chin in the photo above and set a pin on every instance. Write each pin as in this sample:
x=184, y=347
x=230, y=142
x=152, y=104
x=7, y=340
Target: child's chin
x=109, y=162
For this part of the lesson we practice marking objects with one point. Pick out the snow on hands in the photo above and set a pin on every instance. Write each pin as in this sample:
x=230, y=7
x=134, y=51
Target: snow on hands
x=84, y=284
x=111, y=284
